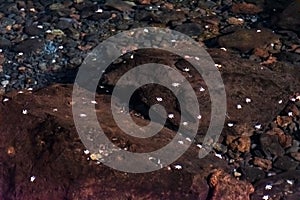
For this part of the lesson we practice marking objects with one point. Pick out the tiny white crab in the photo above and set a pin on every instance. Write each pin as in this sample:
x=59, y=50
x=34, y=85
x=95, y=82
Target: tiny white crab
x=178, y=167
x=230, y=124
x=171, y=116
x=258, y=126
x=202, y=89
x=268, y=187
x=175, y=84
x=82, y=115
x=186, y=69
x=25, y=112
x=32, y=178
x=159, y=99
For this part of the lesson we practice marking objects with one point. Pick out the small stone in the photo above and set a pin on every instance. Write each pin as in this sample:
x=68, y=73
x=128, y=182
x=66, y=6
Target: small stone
x=295, y=155
x=43, y=66
x=246, y=38
x=190, y=29
x=284, y=140
x=95, y=156
x=284, y=121
x=236, y=143
x=271, y=146
x=246, y=8
x=4, y=83
x=227, y=187
x=33, y=30
x=235, y=21
x=11, y=151
x=263, y=163
x=29, y=45
x=285, y=163
x=120, y=5
x=76, y=61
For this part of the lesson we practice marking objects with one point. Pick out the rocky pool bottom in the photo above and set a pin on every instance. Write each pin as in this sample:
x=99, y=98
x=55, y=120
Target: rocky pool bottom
x=44, y=42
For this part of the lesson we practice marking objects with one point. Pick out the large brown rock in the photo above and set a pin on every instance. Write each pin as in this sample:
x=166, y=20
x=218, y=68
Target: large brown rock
x=246, y=40
x=42, y=156
x=267, y=88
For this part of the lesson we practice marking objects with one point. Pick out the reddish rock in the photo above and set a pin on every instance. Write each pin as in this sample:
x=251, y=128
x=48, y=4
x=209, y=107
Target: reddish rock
x=226, y=187
x=235, y=21
x=236, y=143
x=263, y=163
x=43, y=157
x=283, y=139
x=246, y=8
x=284, y=121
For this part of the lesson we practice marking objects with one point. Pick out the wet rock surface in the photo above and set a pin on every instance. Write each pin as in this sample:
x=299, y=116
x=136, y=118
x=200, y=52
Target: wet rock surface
x=255, y=45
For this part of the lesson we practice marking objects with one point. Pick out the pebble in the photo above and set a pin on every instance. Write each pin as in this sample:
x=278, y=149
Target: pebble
x=190, y=29
x=29, y=45
x=5, y=43
x=4, y=83
x=285, y=163
x=246, y=38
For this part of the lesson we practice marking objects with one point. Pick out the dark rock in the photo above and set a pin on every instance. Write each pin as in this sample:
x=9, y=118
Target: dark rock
x=243, y=39
x=76, y=61
x=253, y=174
x=190, y=29
x=278, y=5
x=101, y=16
x=290, y=18
x=60, y=9
x=4, y=43
x=295, y=155
x=270, y=145
x=242, y=79
x=285, y=163
x=7, y=22
x=33, y=30
x=29, y=45
x=294, y=58
x=283, y=186
x=246, y=8
x=123, y=27
x=265, y=164
x=64, y=24
x=119, y=5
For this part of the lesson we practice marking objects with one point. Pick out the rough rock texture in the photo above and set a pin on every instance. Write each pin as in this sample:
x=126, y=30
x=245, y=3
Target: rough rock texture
x=290, y=18
x=243, y=80
x=243, y=39
x=227, y=187
x=43, y=143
